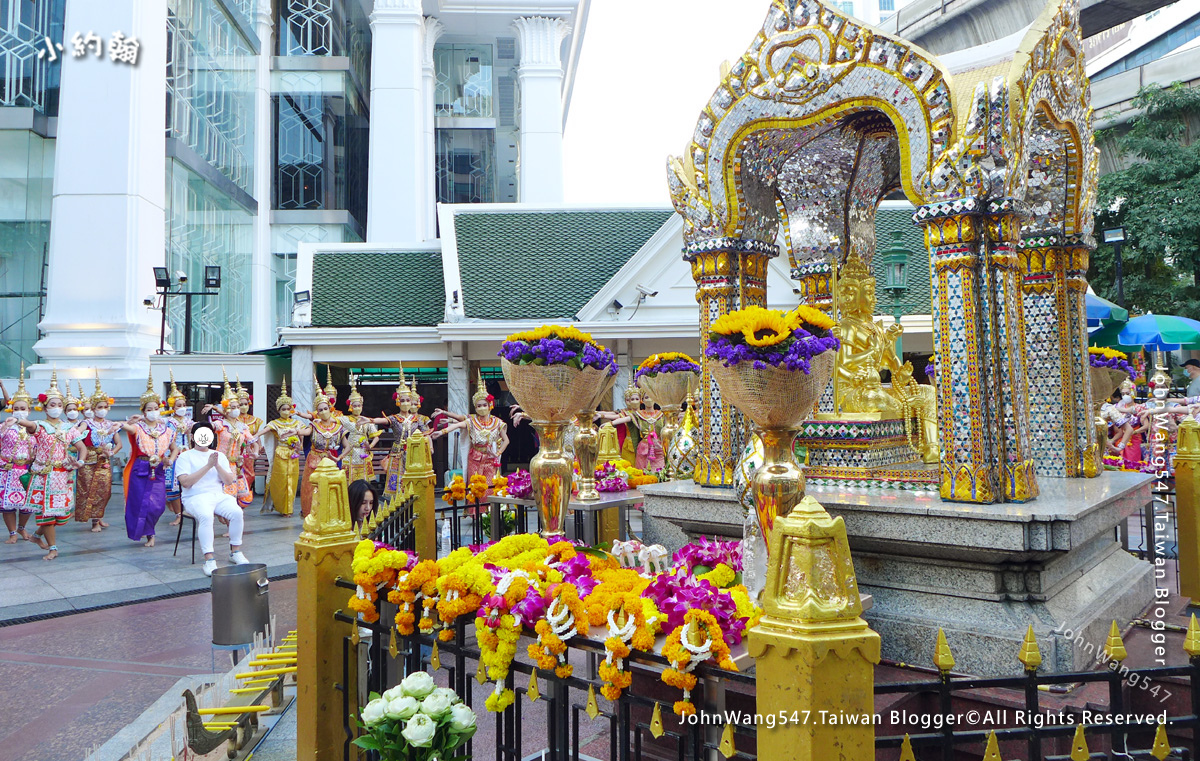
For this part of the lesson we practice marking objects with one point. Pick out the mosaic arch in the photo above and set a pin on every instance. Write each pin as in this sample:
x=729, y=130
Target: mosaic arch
x=817, y=122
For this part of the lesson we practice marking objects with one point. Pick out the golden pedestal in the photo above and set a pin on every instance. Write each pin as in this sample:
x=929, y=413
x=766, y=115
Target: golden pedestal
x=419, y=481
x=1187, y=507
x=323, y=553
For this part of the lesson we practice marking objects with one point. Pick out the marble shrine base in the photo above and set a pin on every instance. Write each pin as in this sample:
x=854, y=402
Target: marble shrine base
x=983, y=573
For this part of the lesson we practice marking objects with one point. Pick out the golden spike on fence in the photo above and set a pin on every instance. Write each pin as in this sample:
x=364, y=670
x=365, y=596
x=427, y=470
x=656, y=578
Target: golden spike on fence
x=1079, y=748
x=1191, y=643
x=942, y=657
x=372, y=523
x=435, y=658
x=1029, y=655
x=656, y=722
x=1114, y=648
x=906, y=751
x=727, y=747
x=393, y=647
x=533, y=691
x=358, y=537
x=1161, y=748
x=992, y=751
x=481, y=673
x=354, y=638
x=593, y=708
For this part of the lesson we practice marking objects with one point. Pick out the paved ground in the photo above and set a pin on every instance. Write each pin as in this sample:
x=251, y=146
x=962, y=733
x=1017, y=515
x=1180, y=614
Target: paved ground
x=94, y=570
x=69, y=684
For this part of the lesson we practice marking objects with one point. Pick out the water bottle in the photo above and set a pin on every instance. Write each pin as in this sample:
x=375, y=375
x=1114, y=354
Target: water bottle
x=445, y=536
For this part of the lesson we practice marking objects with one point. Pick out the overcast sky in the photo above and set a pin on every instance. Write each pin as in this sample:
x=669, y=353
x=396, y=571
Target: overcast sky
x=646, y=70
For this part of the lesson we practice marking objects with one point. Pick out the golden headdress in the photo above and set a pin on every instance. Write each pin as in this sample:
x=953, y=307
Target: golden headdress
x=402, y=388
x=53, y=392
x=151, y=395
x=330, y=391
x=1128, y=388
x=98, y=395
x=355, y=396
x=171, y=397
x=283, y=394
x=481, y=394
x=71, y=398
x=855, y=268
x=242, y=394
x=22, y=395
x=227, y=394
x=630, y=390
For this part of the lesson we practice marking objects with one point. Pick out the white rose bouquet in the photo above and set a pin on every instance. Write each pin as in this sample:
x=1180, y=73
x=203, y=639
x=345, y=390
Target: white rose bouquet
x=416, y=721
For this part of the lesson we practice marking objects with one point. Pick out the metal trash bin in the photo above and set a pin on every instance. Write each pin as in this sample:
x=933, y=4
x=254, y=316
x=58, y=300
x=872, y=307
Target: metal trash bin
x=240, y=605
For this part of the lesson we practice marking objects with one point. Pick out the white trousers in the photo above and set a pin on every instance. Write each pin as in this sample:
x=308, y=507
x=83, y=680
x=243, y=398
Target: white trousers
x=203, y=507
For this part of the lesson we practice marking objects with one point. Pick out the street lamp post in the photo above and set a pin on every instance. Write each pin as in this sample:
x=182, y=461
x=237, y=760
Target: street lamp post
x=895, y=261
x=1115, y=237
x=164, y=284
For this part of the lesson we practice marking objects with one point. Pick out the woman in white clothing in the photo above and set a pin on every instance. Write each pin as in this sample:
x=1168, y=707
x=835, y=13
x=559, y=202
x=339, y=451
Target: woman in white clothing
x=203, y=473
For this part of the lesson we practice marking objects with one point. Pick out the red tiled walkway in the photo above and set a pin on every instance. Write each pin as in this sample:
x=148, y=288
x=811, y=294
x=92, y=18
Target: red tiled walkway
x=73, y=682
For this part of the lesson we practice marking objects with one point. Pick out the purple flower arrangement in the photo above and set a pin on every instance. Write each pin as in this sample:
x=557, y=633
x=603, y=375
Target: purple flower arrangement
x=1110, y=362
x=709, y=553
x=795, y=354
x=671, y=362
x=611, y=479
x=555, y=345
x=676, y=593
x=520, y=485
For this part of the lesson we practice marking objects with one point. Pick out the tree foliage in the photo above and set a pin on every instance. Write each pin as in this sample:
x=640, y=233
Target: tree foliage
x=1157, y=200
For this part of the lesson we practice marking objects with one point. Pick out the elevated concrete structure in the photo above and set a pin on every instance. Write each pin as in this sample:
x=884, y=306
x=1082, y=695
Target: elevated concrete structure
x=943, y=26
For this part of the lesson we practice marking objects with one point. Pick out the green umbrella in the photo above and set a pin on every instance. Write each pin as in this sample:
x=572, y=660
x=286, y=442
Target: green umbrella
x=1161, y=332
x=1109, y=336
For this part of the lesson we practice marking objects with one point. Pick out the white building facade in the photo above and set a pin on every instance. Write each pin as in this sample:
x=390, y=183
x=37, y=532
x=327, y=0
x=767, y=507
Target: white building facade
x=296, y=122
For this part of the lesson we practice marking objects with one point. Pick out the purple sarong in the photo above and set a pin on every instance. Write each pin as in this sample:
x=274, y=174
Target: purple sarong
x=146, y=499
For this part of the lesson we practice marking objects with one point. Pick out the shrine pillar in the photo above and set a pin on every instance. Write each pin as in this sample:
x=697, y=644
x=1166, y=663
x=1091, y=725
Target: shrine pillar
x=730, y=274
x=1053, y=284
x=983, y=415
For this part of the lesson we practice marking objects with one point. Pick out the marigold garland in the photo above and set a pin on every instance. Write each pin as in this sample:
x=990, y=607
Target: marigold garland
x=457, y=491
x=565, y=617
x=627, y=628
x=497, y=632
x=478, y=487
x=372, y=567
x=684, y=655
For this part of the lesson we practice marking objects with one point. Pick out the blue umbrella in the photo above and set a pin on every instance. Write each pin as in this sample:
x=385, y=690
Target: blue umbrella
x=1102, y=311
x=1160, y=332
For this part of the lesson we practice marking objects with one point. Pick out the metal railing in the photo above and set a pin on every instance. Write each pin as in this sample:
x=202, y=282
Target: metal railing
x=399, y=528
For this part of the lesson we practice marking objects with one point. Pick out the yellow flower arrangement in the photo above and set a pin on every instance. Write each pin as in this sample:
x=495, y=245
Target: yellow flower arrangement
x=499, y=485
x=566, y=616
x=565, y=333
x=613, y=585
x=371, y=568
x=1107, y=353
x=628, y=629
x=479, y=487
x=721, y=576
x=806, y=315
x=457, y=490
x=497, y=648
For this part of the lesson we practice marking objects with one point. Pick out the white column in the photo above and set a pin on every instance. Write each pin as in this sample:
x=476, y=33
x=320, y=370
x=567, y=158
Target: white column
x=540, y=77
x=458, y=397
x=624, y=351
x=300, y=384
x=396, y=201
x=107, y=219
x=433, y=30
x=262, y=270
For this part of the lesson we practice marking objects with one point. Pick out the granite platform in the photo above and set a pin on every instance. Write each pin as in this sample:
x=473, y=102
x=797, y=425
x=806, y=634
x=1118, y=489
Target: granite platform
x=983, y=573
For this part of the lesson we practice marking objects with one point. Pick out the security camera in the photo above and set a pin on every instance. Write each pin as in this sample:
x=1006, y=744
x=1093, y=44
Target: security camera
x=646, y=292
x=181, y=276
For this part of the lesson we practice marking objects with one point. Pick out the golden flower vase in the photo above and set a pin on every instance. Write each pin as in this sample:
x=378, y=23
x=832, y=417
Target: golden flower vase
x=551, y=395
x=668, y=391
x=587, y=444
x=777, y=400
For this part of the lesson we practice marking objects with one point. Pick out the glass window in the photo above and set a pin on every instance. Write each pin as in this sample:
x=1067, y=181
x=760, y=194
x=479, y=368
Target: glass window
x=887, y=6
x=846, y=6
x=27, y=80
x=465, y=166
x=464, y=80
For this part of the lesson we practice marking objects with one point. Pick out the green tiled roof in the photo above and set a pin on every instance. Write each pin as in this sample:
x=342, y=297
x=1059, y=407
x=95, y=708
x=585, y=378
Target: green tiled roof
x=916, y=298
x=378, y=289
x=545, y=265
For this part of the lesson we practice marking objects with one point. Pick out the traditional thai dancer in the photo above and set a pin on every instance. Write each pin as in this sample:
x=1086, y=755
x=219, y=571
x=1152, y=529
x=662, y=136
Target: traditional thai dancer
x=284, y=454
x=177, y=406
x=16, y=452
x=153, y=443
x=52, y=474
x=253, y=424
x=403, y=425
x=361, y=435
x=487, y=435
x=94, y=485
x=233, y=439
x=325, y=438
x=85, y=402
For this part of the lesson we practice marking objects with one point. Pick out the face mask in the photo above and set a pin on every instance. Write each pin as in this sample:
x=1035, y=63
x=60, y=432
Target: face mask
x=89, y=414
x=152, y=416
x=286, y=414
x=234, y=412
x=73, y=415
x=21, y=414
x=1127, y=399
x=53, y=412
x=181, y=412
x=325, y=414
x=101, y=413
